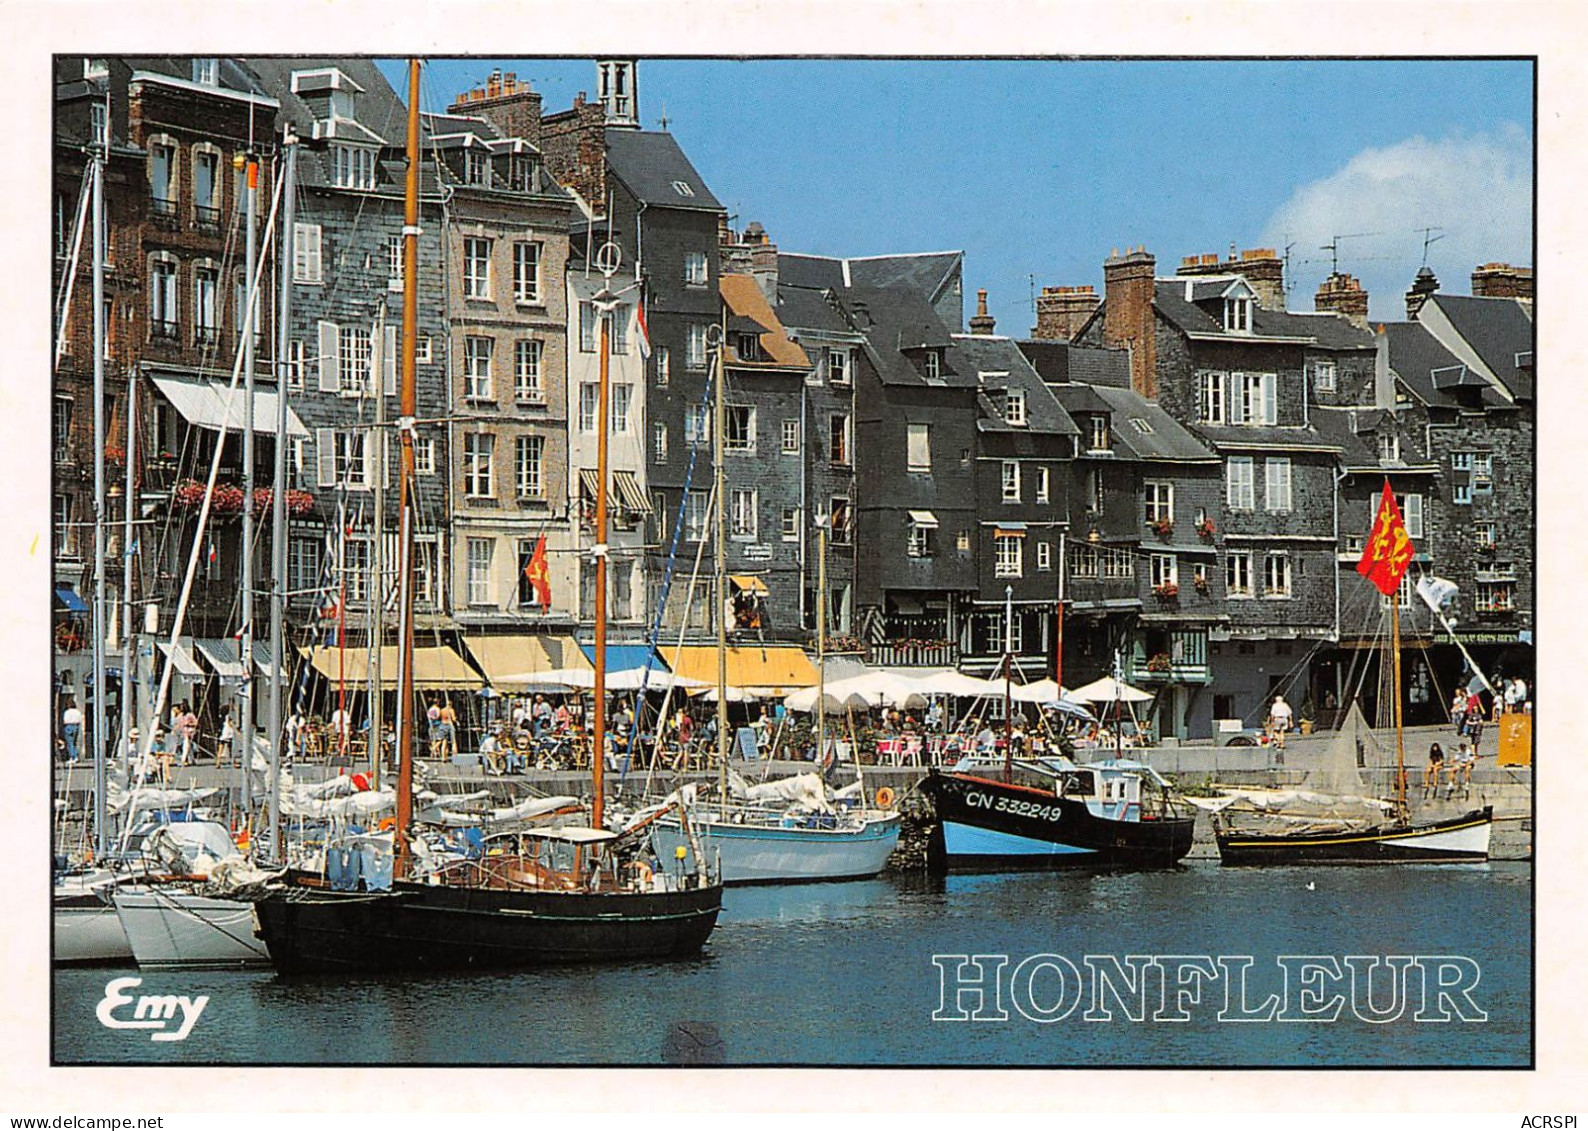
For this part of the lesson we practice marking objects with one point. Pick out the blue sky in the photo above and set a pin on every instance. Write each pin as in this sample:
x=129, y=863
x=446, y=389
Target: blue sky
x=1037, y=170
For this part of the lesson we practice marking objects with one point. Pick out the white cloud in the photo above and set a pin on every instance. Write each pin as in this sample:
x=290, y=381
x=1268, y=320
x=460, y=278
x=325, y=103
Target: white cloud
x=1477, y=188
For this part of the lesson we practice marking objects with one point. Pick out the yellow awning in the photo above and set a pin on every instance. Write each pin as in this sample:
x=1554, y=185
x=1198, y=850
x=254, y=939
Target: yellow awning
x=749, y=583
x=499, y=656
x=436, y=668
x=772, y=670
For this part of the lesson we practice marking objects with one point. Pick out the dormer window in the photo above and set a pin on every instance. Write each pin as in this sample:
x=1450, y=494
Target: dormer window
x=352, y=167
x=1389, y=448
x=521, y=174
x=749, y=347
x=94, y=69
x=342, y=104
x=682, y=188
x=206, y=71
x=1238, y=314
x=1015, y=407
x=934, y=365
x=1098, y=433
x=476, y=168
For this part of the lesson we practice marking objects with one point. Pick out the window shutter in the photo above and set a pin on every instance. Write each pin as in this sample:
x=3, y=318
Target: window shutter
x=369, y=458
x=1233, y=400
x=1270, y=399
x=1271, y=484
x=330, y=382
x=325, y=456
x=1231, y=494
x=389, y=362
x=1284, y=486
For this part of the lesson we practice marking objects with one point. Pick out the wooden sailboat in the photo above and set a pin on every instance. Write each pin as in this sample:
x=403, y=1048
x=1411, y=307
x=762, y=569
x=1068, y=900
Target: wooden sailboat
x=541, y=896
x=1395, y=840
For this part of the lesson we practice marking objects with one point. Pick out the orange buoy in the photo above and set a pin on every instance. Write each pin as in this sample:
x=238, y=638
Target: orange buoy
x=884, y=797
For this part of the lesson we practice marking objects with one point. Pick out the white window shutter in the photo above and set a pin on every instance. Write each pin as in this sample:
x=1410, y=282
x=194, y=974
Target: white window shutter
x=1270, y=399
x=389, y=362
x=325, y=456
x=330, y=382
x=369, y=458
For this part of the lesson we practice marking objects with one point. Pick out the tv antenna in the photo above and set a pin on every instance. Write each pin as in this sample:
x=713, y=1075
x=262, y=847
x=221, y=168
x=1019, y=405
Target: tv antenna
x=1333, y=248
x=1428, y=239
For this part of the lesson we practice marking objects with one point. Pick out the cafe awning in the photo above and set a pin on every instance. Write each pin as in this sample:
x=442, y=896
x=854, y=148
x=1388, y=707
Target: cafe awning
x=749, y=583
x=224, y=656
x=625, y=657
x=69, y=600
x=516, y=654
x=186, y=666
x=208, y=404
x=627, y=489
x=436, y=667
x=764, y=670
x=924, y=519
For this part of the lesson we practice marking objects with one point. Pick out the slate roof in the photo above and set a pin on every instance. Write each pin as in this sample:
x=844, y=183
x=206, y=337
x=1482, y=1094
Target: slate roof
x=808, y=309
x=1415, y=355
x=902, y=319
x=1168, y=438
x=649, y=162
x=1065, y=361
x=810, y=272
x=1333, y=331
x=1237, y=436
x=1497, y=329
x=982, y=353
x=1169, y=301
x=928, y=272
x=1358, y=451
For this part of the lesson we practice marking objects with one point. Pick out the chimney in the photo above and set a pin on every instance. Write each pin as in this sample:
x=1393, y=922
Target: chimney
x=1501, y=280
x=512, y=108
x=752, y=253
x=1342, y=294
x=1424, y=285
x=1062, y=311
x=1128, y=315
x=1261, y=266
x=982, y=322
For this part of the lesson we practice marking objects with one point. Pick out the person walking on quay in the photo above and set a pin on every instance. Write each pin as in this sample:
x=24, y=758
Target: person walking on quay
x=72, y=729
x=223, y=744
x=295, y=728
x=1475, y=728
x=1458, y=711
x=1279, y=720
x=188, y=726
x=449, y=727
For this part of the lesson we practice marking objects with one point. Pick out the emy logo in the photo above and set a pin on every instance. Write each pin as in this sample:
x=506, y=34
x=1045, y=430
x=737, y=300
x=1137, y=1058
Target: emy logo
x=152, y=1011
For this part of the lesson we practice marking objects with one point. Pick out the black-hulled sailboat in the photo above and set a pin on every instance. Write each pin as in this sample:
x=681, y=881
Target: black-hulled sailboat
x=540, y=896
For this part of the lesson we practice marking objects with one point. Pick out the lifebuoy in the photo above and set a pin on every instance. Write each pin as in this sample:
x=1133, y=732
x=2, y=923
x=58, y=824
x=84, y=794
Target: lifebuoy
x=884, y=797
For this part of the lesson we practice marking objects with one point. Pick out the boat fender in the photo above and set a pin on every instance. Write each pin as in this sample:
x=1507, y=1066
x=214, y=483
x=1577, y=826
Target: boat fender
x=884, y=797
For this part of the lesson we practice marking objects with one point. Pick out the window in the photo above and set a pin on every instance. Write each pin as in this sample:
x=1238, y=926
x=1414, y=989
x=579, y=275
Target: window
x=479, y=561
x=526, y=272
x=1239, y=485
x=206, y=189
x=394, y=263
x=659, y=441
x=748, y=347
x=1083, y=560
x=61, y=429
x=205, y=326
x=1482, y=473
x=303, y=564
x=682, y=188
x=1485, y=535
x=695, y=352
x=697, y=424
x=1255, y=399
x=527, y=595
x=355, y=568
x=791, y=436
x=1160, y=501
x=1412, y=514
x=695, y=268
x=529, y=454
x=742, y=513
x=526, y=370
x=344, y=458
x=352, y=167
x=162, y=178
x=296, y=359
x=1210, y=390
x=1011, y=481
x=1461, y=494
x=1389, y=448
x=739, y=429
x=1164, y=571
x=306, y=266
x=98, y=124
x=664, y=365
x=425, y=456
x=790, y=525
x=206, y=71
x=1010, y=561
x=1199, y=576
x=962, y=542
x=1044, y=556
x=695, y=515
x=1276, y=485
x=622, y=400
x=1094, y=490
x=842, y=520
x=1118, y=565
x=1276, y=575
x=618, y=328
x=1238, y=315
x=1461, y=461
x=1495, y=597
x=934, y=365
x=919, y=544
x=1015, y=407
x=1142, y=426
x=1403, y=594
x=162, y=299
x=422, y=353
x=1323, y=375
x=478, y=448
x=1044, y=478
x=589, y=406
x=1238, y=573
x=587, y=327
x=838, y=431
x=353, y=355
x=476, y=168
x=476, y=268
x=918, y=447
x=521, y=174
x=1098, y=432
x=838, y=366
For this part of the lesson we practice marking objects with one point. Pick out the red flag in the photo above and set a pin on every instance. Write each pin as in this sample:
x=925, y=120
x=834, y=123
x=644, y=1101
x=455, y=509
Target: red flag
x=539, y=576
x=1389, y=548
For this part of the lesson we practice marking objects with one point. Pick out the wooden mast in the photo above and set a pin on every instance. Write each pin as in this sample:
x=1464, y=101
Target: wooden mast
x=405, y=485
x=598, y=732
x=1400, y=730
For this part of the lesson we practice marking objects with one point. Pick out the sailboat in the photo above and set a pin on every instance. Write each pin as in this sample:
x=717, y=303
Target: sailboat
x=1316, y=827
x=784, y=831
x=545, y=895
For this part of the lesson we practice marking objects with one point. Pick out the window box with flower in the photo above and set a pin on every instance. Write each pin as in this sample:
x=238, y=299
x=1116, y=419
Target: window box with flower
x=1158, y=662
x=1162, y=527
x=1168, y=591
x=1205, y=529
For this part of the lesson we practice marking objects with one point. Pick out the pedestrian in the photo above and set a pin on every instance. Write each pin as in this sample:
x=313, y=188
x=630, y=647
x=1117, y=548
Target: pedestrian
x=1436, y=763
x=449, y=727
x=1279, y=720
x=295, y=726
x=1458, y=711
x=189, y=725
x=433, y=717
x=223, y=744
x=1475, y=728
x=490, y=754
x=1525, y=704
x=72, y=729
x=542, y=714
x=341, y=725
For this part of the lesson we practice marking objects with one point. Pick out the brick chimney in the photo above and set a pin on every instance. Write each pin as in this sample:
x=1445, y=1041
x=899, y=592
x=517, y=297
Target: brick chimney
x=1501, y=280
x=1261, y=266
x=1424, y=285
x=1342, y=294
x=982, y=322
x=573, y=143
x=1128, y=315
x=752, y=253
x=1062, y=311
x=512, y=107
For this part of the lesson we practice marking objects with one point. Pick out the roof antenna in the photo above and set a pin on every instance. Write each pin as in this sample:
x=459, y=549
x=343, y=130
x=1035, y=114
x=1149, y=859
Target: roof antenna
x=1333, y=248
x=1429, y=238
x=664, y=119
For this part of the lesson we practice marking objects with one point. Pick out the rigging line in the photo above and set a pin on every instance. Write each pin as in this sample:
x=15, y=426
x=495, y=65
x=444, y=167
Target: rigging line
x=69, y=277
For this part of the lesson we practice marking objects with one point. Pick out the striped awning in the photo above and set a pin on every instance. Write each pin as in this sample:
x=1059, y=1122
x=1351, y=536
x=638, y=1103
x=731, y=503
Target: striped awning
x=436, y=668
x=769, y=671
x=186, y=666
x=208, y=404
x=627, y=489
x=515, y=654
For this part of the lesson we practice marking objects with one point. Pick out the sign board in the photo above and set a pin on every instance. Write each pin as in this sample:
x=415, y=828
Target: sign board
x=1516, y=739
x=758, y=552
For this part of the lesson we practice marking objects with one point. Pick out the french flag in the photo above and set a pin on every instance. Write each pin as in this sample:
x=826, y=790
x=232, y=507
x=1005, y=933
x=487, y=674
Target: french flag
x=643, y=338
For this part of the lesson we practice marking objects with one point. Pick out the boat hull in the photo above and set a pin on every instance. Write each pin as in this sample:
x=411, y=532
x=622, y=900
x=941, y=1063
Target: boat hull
x=173, y=928
x=762, y=854
x=991, y=826
x=1459, y=839
x=436, y=927
x=86, y=929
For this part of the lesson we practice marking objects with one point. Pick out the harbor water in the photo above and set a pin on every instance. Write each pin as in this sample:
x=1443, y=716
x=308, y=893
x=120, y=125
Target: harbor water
x=844, y=974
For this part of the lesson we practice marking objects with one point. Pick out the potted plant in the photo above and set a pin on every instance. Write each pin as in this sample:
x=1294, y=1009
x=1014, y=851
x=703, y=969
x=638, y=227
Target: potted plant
x=1162, y=527
x=1158, y=662
x=1201, y=582
x=1168, y=591
x=1205, y=528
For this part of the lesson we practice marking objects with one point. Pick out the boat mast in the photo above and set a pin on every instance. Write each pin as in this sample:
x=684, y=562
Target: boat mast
x=721, y=571
x=1009, y=646
x=407, y=411
x=96, y=709
x=278, y=494
x=1058, y=630
x=821, y=643
x=1400, y=731
x=127, y=681
x=377, y=565
x=246, y=645
x=605, y=303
